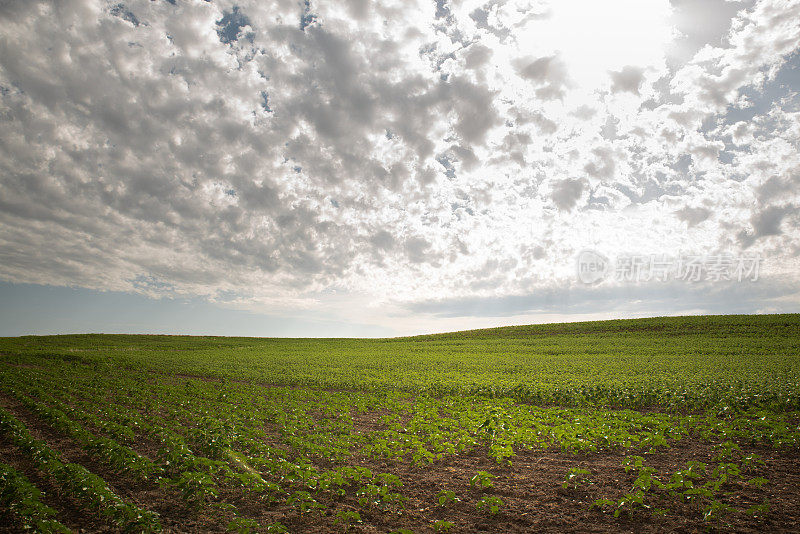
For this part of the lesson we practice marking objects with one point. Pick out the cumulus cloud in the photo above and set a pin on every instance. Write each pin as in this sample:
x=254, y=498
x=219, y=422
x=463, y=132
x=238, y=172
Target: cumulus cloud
x=766, y=223
x=278, y=151
x=549, y=74
x=629, y=79
x=693, y=215
x=567, y=192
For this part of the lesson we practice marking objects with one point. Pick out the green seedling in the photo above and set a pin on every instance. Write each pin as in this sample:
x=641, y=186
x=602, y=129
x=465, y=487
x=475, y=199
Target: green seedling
x=442, y=526
x=445, y=497
x=576, y=477
x=490, y=503
x=482, y=479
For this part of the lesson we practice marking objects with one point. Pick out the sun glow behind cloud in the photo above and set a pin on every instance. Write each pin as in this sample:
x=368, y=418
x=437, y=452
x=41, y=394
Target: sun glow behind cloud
x=595, y=37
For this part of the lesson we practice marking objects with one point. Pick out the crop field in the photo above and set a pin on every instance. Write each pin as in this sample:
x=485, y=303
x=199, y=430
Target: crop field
x=684, y=424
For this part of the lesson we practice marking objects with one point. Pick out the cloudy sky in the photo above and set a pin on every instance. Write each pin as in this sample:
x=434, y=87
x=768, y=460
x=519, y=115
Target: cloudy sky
x=382, y=168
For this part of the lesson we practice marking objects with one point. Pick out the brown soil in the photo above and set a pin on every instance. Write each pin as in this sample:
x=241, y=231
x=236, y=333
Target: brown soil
x=70, y=513
x=23, y=365
x=148, y=495
x=533, y=499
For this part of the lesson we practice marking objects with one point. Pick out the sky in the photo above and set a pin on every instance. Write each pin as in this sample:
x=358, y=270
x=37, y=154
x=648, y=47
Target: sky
x=358, y=168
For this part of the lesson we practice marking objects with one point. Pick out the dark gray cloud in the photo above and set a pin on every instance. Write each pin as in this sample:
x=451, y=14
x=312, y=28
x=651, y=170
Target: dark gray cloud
x=629, y=79
x=766, y=222
x=776, y=187
x=417, y=249
x=545, y=125
x=549, y=74
x=693, y=216
x=566, y=192
x=477, y=56
x=603, y=164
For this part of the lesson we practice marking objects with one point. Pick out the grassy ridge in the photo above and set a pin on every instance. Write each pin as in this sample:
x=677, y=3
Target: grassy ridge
x=697, y=361
x=724, y=325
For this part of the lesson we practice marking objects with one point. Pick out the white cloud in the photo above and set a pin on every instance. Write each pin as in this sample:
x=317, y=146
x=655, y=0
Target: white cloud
x=275, y=153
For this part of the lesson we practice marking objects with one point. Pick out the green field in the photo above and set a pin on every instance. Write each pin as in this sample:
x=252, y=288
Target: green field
x=650, y=424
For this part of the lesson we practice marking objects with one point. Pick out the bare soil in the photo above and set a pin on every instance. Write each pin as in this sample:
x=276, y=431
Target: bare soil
x=533, y=499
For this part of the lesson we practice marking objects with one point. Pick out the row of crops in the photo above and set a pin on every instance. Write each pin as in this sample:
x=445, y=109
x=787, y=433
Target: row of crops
x=138, y=445
x=625, y=364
